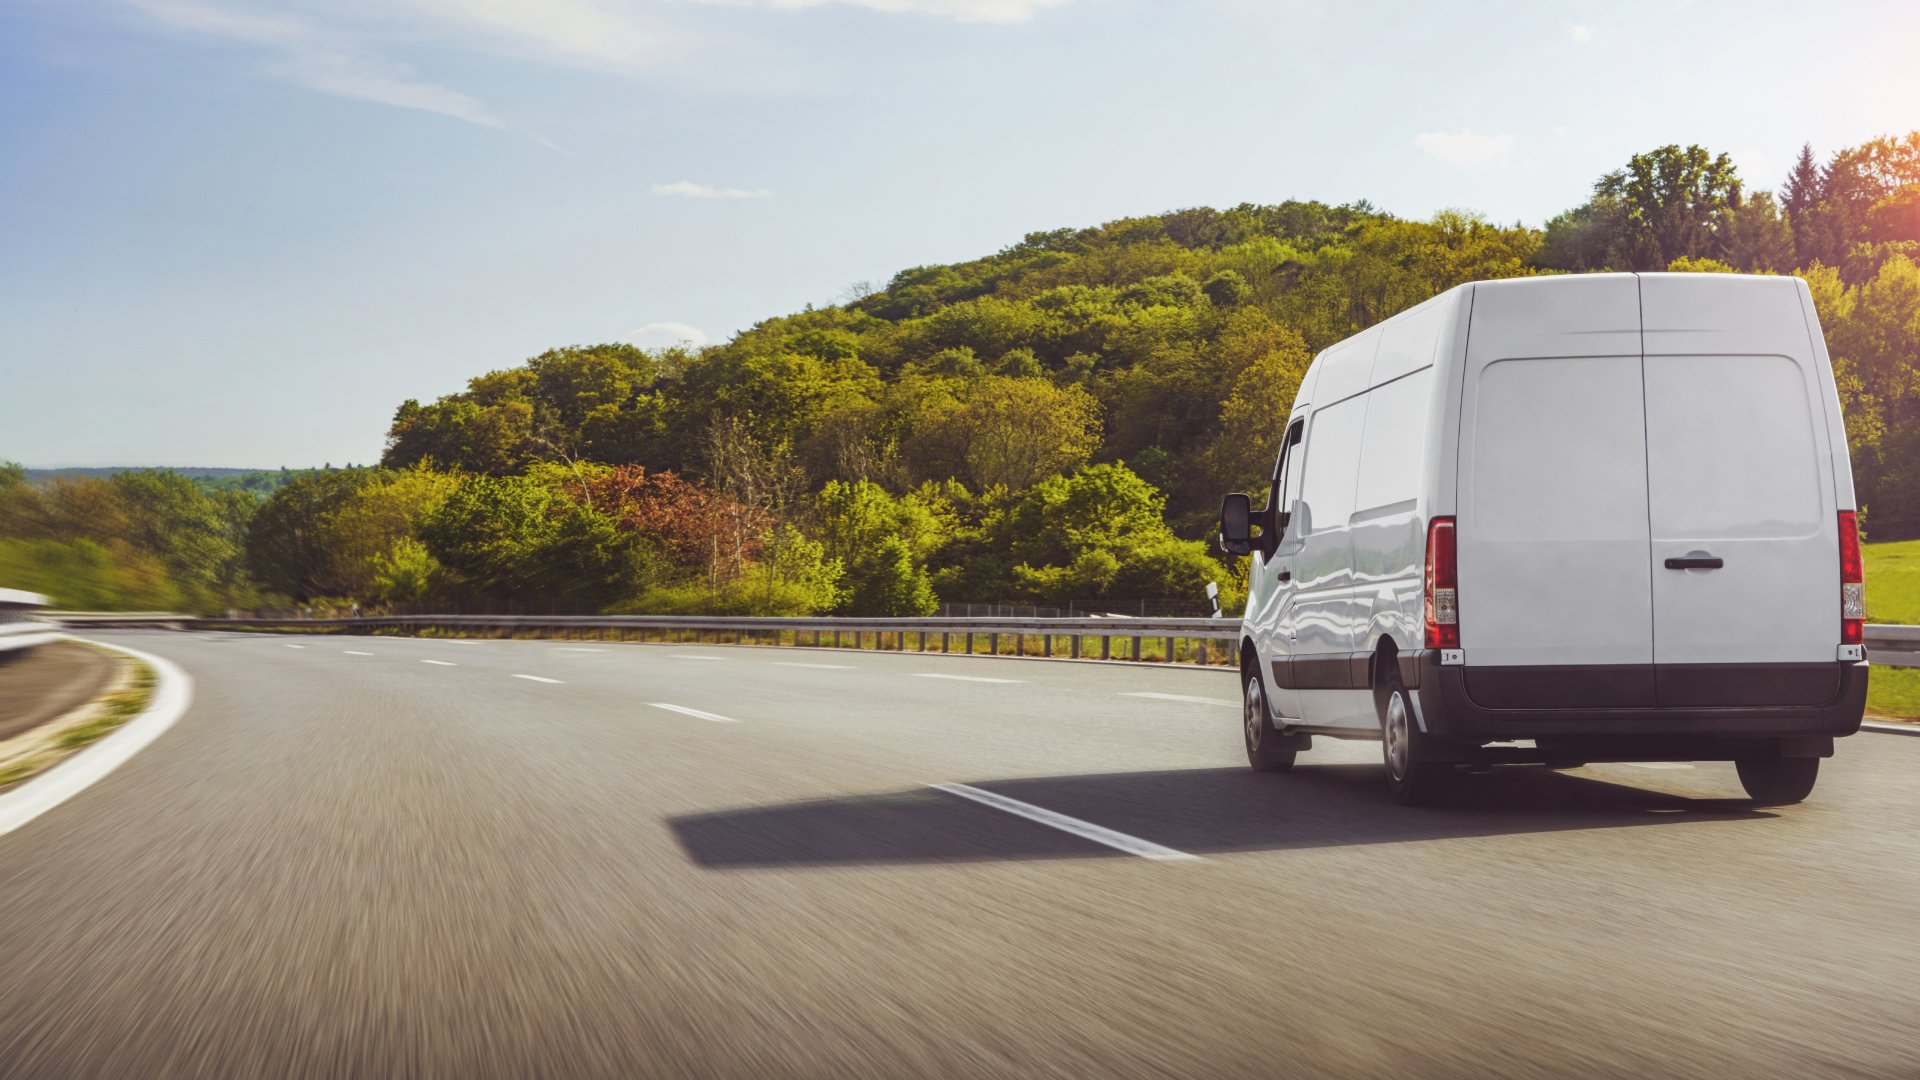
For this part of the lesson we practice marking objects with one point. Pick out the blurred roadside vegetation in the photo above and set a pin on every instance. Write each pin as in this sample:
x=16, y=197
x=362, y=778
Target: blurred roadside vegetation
x=1052, y=424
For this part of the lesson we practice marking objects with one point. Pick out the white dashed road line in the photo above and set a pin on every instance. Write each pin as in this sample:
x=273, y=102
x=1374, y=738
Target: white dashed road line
x=822, y=667
x=694, y=656
x=1657, y=764
x=962, y=678
x=564, y=648
x=536, y=678
x=351, y=652
x=696, y=713
x=1184, y=697
x=291, y=645
x=1086, y=830
x=440, y=663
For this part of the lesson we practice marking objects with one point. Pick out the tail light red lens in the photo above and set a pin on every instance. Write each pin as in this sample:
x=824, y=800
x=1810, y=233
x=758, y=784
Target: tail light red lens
x=1853, y=582
x=1443, y=586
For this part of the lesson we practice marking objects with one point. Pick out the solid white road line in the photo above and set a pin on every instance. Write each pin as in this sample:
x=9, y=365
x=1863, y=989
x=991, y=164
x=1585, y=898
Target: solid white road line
x=536, y=678
x=291, y=645
x=1184, y=697
x=962, y=678
x=564, y=648
x=172, y=693
x=441, y=663
x=694, y=656
x=1662, y=765
x=351, y=652
x=822, y=667
x=1086, y=830
x=696, y=713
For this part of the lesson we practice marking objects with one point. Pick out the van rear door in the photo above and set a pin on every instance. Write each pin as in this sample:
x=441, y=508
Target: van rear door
x=1556, y=596
x=1741, y=497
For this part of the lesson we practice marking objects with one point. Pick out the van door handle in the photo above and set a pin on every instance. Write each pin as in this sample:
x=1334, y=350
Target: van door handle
x=1696, y=562
x=1285, y=575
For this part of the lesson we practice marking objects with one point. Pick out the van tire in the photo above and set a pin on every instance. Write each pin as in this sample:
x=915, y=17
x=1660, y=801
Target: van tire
x=1414, y=777
x=1257, y=726
x=1778, y=781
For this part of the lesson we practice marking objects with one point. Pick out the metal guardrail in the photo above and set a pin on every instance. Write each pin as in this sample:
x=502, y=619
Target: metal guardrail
x=1887, y=645
x=22, y=621
x=1087, y=637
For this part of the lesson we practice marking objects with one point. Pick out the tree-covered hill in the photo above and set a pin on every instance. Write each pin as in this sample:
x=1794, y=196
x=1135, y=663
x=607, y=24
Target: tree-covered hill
x=1053, y=423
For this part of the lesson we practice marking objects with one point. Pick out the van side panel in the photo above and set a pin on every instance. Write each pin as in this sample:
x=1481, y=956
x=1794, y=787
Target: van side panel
x=1842, y=458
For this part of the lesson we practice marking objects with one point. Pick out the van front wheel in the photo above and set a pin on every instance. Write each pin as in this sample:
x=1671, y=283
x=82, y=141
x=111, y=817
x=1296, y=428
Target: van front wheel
x=1262, y=754
x=1778, y=781
x=1412, y=774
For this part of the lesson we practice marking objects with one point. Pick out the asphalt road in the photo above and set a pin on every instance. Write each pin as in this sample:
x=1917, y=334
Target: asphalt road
x=414, y=863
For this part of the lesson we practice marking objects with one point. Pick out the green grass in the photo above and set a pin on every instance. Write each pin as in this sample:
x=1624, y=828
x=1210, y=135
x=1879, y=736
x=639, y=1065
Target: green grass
x=1894, y=692
x=1893, y=582
x=119, y=707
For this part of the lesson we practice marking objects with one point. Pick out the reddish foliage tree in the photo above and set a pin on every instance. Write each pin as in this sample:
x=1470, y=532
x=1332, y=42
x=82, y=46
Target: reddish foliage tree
x=696, y=526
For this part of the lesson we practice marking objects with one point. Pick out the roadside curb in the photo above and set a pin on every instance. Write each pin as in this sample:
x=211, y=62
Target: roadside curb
x=1890, y=729
x=172, y=693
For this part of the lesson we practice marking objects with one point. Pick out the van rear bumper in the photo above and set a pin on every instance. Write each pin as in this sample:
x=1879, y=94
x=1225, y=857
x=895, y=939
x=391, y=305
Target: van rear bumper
x=1745, y=700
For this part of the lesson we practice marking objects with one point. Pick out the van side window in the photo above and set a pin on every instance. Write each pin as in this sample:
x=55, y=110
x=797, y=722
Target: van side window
x=1286, y=472
x=1333, y=463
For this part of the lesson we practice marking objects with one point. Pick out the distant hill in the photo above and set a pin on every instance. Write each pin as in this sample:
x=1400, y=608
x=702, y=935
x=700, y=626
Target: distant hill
x=259, y=482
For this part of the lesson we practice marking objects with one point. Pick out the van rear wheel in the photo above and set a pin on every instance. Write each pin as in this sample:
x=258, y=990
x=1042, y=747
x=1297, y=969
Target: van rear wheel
x=1415, y=778
x=1262, y=752
x=1778, y=781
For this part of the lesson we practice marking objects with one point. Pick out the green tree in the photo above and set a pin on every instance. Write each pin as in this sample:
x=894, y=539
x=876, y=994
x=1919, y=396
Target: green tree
x=1674, y=202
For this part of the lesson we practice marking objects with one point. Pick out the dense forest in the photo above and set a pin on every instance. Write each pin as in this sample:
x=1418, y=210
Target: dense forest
x=1052, y=424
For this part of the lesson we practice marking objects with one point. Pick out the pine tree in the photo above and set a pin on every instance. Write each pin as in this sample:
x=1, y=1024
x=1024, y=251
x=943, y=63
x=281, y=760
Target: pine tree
x=1800, y=200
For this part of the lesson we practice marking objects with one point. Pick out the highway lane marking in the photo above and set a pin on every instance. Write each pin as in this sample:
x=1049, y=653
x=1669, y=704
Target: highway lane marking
x=291, y=645
x=1657, y=764
x=441, y=663
x=1184, y=697
x=962, y=678
x=696, y=713
x=350, y=652
x=563, y=648
x=823, y=667
x=536, y=678
x=1086, y=830
x=694, y=656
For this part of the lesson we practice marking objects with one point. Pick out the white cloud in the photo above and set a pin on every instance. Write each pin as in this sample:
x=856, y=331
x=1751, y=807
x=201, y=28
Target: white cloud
x=580, y=30
x=661, y=335
x=1579, y=32
x=987, y=11
x=687, y=189
x=306, y=54
x=1464, y=147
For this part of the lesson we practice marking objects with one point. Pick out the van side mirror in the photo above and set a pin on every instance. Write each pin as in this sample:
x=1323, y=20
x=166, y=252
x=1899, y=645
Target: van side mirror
x=1236, y=524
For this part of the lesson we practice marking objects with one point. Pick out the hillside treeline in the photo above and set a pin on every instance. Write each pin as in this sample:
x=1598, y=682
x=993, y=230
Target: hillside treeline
x=1053, y=424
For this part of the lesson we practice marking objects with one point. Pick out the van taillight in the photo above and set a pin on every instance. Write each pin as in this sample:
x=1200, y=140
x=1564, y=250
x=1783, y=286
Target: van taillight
x=1853, y=582
x=1443, y=586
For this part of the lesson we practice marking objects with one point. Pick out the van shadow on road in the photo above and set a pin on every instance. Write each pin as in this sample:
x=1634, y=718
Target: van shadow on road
x=1201, y=811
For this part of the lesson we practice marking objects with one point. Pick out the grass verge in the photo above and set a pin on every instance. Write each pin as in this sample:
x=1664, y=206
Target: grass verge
x=99, y=720
x=1893, y=582
x=1894, y=692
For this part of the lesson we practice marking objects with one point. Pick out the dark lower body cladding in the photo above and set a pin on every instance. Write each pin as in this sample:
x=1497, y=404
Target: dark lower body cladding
x=1661, y=712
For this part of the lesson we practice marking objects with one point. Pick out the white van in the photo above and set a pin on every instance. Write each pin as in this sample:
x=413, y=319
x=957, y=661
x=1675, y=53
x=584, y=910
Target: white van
x=1557, y=520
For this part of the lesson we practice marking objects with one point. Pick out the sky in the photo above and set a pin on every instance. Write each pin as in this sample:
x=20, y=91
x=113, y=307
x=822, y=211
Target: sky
x=241, y=232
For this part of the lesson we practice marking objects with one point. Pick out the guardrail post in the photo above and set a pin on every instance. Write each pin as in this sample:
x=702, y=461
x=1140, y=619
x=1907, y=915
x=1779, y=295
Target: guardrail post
x=1106, y=647
x=1046, y=645
x=993, y=643
x=1201, y=648
x=1076, y=646
x=1169, y=656
x=969, y=643
x=943, y=642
